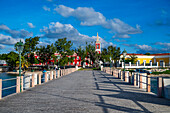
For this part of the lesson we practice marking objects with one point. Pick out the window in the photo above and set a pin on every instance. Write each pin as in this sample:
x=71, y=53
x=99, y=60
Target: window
x=77, y=57
x=97, y=46
x=138, y=61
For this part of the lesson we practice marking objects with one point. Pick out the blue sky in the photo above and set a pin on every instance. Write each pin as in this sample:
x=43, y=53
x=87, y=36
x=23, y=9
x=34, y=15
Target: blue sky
x=139, y=26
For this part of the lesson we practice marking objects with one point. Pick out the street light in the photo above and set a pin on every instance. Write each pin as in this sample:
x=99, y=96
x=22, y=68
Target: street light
x=110, y=63
x=124, y=55
x=20, y=48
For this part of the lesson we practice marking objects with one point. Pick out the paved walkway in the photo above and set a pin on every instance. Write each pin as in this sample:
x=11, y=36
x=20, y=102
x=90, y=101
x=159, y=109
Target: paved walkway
x=84, y=92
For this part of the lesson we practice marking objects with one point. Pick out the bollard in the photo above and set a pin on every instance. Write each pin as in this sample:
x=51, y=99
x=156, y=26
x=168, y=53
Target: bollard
x=32, y=84
x=22, y=81
x=51, y=75
x=39, y=78
x=148, y=84
x=46, y=77
x=18, y=84
x=159, y=86
x=0, y=89
x=54, y=74
x=134, y=79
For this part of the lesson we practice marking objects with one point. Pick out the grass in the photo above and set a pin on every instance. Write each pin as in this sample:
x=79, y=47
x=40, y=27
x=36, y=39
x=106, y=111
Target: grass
x=164, y=72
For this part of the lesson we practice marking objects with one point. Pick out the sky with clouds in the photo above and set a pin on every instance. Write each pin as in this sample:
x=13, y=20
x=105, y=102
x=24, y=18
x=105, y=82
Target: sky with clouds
x=139, y=26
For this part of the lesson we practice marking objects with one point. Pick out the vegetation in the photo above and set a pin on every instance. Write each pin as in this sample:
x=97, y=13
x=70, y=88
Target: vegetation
x=64, y=49
x=147, y=53
x=132, y=59
x=82, y=53
x=164, y=72
x=111, y=53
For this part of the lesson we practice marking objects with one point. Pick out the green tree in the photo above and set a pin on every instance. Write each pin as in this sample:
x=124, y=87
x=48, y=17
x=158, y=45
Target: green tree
x=92, y=54
x=30, y=46
x=3, y=56
x=46, y=53
x=12, y=58
x=147, y=53
x=82, y=54
x=113, y=53
x=64, y=49
x=132, y=59
x=104, y=55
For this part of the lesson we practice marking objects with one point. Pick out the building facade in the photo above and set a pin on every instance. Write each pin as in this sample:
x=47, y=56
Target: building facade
x=162, y=59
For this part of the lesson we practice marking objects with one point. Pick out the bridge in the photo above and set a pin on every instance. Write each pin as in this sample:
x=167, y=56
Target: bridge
x=84, y=92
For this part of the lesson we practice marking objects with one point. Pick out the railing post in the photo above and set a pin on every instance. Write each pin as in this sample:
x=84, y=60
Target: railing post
x=148, y=84
x=134, y=79
x=46, y=77
x=159, y=79
x=58, y=73
x=130, y=76
x=0, y=89
x=18, y=84
x=126, y=76
x=122, y=72
x=130, y=64
x=22, y=81
x=39, y=78
x=140, y=80
x=32, y=80
x=50, y=75
x=54, y=74
x=150, y=63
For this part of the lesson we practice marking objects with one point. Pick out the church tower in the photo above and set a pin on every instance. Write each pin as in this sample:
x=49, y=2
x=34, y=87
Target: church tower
x=98, y=45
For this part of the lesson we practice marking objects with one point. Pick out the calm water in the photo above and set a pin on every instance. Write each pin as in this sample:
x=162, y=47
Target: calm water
x=9, y=83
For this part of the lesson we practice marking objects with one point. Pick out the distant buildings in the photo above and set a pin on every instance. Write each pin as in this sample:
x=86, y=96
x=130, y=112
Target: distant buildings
x=163, y=59
x=3, y=63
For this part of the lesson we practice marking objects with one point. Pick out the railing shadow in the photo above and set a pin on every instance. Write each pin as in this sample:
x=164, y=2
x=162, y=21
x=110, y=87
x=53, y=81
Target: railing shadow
x=134, y=96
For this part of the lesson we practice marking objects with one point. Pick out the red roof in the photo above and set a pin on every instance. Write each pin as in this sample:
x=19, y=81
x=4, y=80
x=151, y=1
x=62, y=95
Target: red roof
x=159, y=54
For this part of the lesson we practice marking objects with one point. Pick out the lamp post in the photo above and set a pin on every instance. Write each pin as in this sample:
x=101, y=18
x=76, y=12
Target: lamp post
x=20, y=48
x=124, y=55
x=110, y=63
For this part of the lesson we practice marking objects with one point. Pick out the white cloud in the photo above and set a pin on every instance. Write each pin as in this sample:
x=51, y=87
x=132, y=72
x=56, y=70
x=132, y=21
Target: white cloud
x=49, y=0
x=2, y=46
x=31, y=25
x=8, y=40
x=163, y=44
x=58, y=30
x=89, y=17
x=145, y=48
x=15, y=33
x=4, y=27
x=46, y=8
x=118, y=40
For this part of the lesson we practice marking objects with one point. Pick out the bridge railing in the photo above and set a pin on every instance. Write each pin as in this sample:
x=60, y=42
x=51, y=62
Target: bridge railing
x=160, y=85
x=31, y=80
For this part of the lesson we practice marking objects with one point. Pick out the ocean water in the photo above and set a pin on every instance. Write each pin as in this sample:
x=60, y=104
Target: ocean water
x=8, y=83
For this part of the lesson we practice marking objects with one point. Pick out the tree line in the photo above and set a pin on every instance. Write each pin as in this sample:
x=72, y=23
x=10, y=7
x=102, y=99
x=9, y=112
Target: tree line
x=64, y=48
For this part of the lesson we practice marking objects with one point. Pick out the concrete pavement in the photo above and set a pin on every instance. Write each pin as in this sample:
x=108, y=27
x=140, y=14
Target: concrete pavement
x=84, y=92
